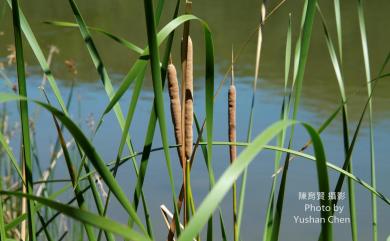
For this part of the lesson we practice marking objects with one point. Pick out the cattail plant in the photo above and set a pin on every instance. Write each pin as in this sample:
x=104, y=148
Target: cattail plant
x=232, y=138
x=187, y=103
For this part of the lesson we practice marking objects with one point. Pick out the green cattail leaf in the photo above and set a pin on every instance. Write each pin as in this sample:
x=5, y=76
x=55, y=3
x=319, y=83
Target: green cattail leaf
x=85, y=217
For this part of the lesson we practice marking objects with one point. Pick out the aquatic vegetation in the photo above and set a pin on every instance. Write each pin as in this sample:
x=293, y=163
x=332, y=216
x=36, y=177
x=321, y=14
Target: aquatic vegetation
x=34, y=213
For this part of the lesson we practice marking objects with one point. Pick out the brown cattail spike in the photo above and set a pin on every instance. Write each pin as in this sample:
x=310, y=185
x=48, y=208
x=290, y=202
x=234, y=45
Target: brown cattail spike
x=173, y=89
x=232, y=121
x=232, y=114
x=189, y=102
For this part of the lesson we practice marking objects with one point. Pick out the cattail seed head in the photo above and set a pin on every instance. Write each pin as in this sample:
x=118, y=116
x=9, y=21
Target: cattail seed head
x=232, y=121
x=189, y=101
x=173, y=89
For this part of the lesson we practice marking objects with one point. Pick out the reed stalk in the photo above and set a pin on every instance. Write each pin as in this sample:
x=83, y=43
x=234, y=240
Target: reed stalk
x=263, y=11
x=367, y=68
x=24, y=119
x=187, y=103
x=232, y=99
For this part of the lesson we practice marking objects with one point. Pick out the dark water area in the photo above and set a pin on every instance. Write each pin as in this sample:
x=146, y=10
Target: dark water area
x=232, y=23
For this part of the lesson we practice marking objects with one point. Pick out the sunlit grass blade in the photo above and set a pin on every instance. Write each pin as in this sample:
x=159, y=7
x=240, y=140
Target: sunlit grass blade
x=222, y=226
x=157, y=88
x=163, y=34
x=303, y=46
x=79, y=196
x=153, y=120
x=382, y=69
x=353, y=141
x=131, y=46
x=130, y=113
x=3, y=235
x=32, y=41
x=251, y=113
x=90, y=152
x=215, y=196
x=11, y=156
x=14, y=223
x=281, y=138
x=367, y=68
x=323, y=182
x=47, y=234
x=131, y=110
x=100, y=68
x=312, y=158
x=105, y=80
x=85, y=217
x=340, y=80
x=24, y=119
x=210, y=171
x=339, y=28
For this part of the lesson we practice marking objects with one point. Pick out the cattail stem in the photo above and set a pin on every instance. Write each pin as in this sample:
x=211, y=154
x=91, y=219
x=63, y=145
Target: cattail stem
x=23, y=228
x=233, y=148
x=187, y=102
x=232, y=98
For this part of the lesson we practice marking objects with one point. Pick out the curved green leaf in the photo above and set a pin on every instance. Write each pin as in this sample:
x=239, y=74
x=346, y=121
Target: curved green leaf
x=112, y=36
x=90, y=152
x=85, y=217
x=223, y=185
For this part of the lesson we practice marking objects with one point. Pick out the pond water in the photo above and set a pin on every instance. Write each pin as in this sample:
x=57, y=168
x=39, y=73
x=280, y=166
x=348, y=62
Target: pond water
x=231, y=22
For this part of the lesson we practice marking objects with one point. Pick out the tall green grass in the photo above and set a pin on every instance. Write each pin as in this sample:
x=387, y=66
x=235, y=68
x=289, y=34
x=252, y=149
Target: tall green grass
x=24, y=119
x=95, y=217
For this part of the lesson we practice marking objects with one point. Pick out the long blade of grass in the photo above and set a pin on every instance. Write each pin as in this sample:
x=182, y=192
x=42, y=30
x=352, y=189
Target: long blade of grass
x=382, y=69
x=312, y=158
x=251, y=112
x=25, y=125
x=157, y=88
x=90, y=152
x=131, y=46
x=281, y=138
x=215, y=196
x=11, y=156
x=105, y=80
x=210, y=174
x=98, y=65
x=354, y=138
x=85, y=217
x=3, y=235
x=340, y=80
x=244, y=144
x=304, y=43
x=323, y=182
x=79, y=196
x=130, y=113
x=153, y=118
x=163, y=34
x=337, y=12
x=366, y=58
x=16, y=221
x=41, y=59
x=32, y=41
